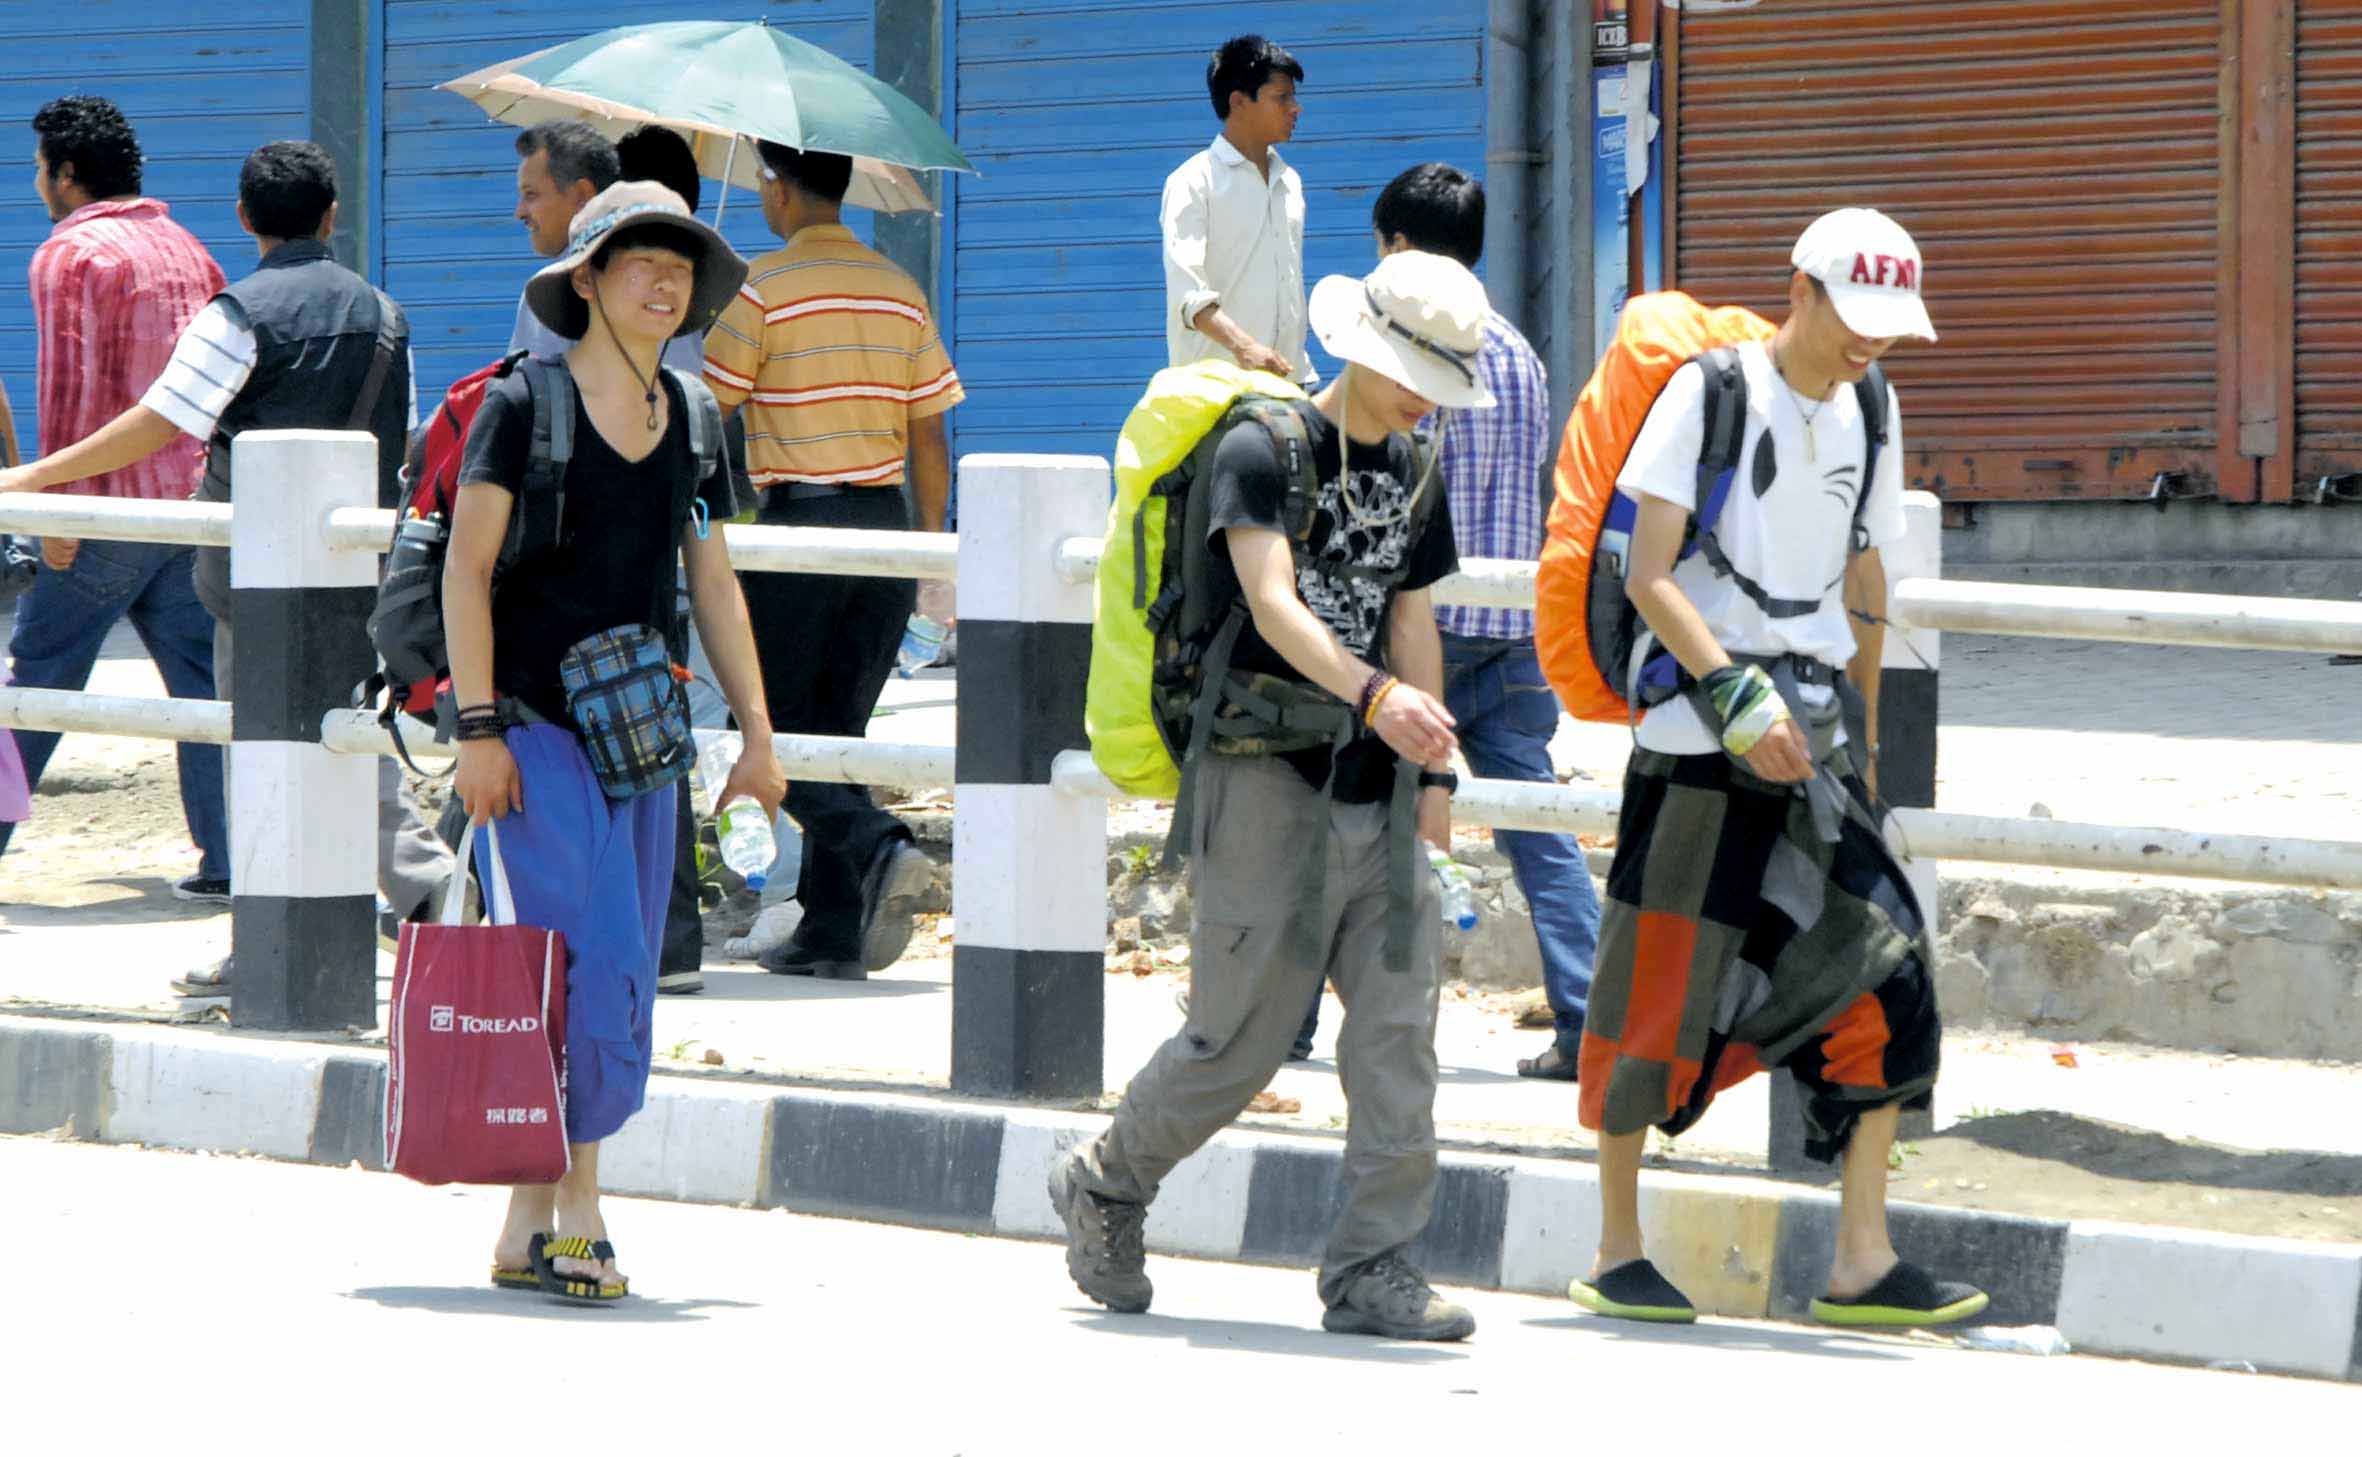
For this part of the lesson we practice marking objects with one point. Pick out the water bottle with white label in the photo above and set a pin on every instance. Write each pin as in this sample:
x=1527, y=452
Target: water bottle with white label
x=922, y=644
x=747, y=846
x=1451, y=882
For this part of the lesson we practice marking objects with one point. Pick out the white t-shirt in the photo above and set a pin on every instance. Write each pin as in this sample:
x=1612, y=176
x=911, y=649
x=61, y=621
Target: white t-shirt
x=1793, y=540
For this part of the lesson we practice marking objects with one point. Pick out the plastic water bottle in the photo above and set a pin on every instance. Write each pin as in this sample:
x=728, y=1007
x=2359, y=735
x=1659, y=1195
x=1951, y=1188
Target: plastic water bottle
x=922, y=643
x=717, y=754
x=747, y=846
x=1459, y=897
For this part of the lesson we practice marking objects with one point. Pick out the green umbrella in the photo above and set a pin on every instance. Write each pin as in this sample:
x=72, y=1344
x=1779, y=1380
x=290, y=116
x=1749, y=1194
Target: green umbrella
x=716, y=82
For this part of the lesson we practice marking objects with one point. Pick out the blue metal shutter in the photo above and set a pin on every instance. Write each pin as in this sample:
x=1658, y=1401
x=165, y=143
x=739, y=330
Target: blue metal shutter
x=1075, y=110
x=455, y=256
x=201, y=90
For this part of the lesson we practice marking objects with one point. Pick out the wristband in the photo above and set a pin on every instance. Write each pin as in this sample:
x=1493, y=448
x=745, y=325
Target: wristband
x=1445, y=780
x=1365, y=704
x=1377, y=701
x=479, y=728
x=1748, y=703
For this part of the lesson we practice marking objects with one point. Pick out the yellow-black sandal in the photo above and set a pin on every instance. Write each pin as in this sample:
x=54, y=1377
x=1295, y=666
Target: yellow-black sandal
x=1906, y=1296
x=1634, y=1290
x=514, y=1279
x=575, y=1289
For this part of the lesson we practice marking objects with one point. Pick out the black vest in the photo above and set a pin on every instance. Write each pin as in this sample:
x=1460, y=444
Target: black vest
x=315, y=326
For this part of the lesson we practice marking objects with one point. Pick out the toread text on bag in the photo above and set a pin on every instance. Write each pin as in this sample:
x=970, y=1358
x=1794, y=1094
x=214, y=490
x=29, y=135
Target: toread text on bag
x=476, y=1043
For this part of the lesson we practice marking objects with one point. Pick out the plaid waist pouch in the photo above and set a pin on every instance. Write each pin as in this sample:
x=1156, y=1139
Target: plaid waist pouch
x=630, y=710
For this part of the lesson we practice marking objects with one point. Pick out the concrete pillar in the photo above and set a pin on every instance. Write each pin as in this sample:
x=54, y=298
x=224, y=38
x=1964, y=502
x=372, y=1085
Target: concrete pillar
x=303, y=820
x=1029, y=900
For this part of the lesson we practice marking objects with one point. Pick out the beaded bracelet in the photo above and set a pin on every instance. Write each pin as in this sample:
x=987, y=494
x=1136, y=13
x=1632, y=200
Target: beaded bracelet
x=1377, y=701
x=1365, y=703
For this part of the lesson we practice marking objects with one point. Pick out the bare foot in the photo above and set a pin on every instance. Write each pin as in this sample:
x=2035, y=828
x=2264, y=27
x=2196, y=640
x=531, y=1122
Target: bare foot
x=514, y=1255
x=1850, y=1275
x=583, y=1221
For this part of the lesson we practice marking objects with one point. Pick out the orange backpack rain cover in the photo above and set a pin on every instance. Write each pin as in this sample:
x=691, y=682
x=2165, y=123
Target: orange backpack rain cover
x=1657, y=334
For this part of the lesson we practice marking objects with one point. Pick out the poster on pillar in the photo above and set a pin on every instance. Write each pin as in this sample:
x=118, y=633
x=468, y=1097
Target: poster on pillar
x=1627, y=168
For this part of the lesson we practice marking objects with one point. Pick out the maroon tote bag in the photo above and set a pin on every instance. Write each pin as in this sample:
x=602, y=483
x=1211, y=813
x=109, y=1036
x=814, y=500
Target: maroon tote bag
x=476, y=1076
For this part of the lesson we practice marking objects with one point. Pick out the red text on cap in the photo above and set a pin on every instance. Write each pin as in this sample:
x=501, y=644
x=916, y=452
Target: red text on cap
x=1884, y=270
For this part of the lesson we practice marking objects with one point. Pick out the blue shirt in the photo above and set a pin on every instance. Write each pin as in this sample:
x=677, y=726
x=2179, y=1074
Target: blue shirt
x=1492, y=464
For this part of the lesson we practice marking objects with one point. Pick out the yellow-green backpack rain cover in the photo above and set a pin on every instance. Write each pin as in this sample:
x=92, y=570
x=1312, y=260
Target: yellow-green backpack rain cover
x=1181, y=405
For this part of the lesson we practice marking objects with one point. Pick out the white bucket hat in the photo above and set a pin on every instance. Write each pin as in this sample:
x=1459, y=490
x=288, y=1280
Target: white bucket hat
x=1418, y=319
x=613, y=214
x=1871, y=269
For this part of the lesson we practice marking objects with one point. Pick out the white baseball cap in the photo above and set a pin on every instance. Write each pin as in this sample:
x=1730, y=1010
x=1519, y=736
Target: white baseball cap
x=1871, y=269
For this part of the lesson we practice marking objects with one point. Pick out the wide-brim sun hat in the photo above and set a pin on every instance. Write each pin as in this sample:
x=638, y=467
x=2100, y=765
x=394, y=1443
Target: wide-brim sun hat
x=1418, y=319
x=617, y=213
x=1872, y=272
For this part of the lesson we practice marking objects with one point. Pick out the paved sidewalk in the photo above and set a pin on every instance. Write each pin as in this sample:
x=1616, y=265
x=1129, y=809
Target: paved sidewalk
x=787, y=1332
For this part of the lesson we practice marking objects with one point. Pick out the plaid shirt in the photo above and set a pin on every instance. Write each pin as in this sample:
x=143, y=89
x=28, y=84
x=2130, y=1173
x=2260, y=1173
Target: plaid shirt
x=113, y=287
x=1493, y=462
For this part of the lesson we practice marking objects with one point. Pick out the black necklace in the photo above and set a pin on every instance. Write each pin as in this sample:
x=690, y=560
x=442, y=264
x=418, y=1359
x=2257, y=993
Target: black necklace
x=647, y=382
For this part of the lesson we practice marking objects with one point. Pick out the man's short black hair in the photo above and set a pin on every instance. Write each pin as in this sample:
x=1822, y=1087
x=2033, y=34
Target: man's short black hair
x=575, y=152
x=1245, y=63
x=825, y=175
x=90, y=132
x=287, y=189
x=658, y=154
x=1437, y=208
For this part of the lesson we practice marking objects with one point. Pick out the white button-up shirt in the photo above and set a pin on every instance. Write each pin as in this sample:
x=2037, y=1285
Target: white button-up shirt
x=1235, y=238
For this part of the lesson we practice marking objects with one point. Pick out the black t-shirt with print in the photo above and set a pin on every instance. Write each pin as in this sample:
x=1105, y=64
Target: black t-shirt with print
x=617, y=551
x=1371, y=529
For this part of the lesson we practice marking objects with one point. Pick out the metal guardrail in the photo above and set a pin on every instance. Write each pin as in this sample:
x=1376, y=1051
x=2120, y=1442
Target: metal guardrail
x=2166, y=619
x=2186, y=619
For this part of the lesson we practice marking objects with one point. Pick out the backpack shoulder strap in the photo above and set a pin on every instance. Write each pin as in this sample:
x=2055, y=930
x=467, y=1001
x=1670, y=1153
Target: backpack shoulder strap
x=1292, y=438
x=540, y=511
x=1725, y=431
x=381, y=363
x=1870, y=390
x=705, y=421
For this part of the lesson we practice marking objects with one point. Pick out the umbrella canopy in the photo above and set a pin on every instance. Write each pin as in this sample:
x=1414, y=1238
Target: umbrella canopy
x=718, y=81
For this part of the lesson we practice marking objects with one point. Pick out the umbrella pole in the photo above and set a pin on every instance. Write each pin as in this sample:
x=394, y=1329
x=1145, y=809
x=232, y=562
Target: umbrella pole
x=722, y=199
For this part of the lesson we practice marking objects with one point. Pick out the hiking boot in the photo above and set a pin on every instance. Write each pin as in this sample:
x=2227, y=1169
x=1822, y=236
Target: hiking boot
x=1106, y=1241
x=1386, y=1297
x=898, y=876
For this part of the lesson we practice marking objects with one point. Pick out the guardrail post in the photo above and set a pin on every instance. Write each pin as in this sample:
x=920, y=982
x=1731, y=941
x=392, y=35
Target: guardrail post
x=1029, y=894
x=303, y=820
x=1907, y=704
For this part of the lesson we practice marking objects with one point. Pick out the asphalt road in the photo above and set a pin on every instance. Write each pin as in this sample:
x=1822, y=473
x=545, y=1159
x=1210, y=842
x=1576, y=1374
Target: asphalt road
x=224, y=1304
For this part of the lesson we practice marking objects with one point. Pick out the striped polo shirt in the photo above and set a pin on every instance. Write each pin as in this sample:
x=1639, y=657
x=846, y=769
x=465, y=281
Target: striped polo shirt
x=830, y=347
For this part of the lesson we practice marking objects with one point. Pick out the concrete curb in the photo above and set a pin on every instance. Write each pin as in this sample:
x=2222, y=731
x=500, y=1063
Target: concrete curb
x=1739, y=1246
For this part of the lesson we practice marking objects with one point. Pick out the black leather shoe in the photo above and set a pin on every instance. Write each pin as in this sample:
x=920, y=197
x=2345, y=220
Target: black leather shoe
x=899, y=876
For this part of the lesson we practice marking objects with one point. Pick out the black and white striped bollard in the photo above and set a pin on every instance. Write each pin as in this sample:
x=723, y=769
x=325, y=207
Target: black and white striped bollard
x=303, y=820
x=1029, y=896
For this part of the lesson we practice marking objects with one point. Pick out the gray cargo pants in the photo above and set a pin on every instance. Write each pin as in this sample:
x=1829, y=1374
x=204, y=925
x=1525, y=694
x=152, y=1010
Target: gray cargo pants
x=1256, y=820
